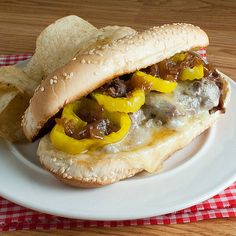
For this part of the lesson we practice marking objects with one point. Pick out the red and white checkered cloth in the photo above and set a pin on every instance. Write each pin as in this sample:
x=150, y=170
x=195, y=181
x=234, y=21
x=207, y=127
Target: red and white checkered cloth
x=15, y=217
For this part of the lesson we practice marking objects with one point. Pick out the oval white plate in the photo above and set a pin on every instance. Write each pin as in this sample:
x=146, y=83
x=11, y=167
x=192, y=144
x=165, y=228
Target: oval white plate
x=196, y=173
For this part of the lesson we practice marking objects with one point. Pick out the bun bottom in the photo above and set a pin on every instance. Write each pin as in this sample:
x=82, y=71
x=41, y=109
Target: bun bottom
x=84, y=171
x=95, y=169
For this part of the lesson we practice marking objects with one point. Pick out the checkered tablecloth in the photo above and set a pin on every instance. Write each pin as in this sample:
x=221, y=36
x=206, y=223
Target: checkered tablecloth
x=15, y=217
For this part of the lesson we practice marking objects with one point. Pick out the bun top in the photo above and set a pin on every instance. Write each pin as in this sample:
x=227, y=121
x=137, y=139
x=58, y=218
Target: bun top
x=93, y=68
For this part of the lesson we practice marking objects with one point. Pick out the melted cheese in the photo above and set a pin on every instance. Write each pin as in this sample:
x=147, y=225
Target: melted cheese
x=173, y=112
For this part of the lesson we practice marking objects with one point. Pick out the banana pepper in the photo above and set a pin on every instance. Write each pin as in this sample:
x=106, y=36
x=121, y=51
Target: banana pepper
x=70, y=145
x=197, y=72
x=179, y=57
x=156, y=83
x=125, y=104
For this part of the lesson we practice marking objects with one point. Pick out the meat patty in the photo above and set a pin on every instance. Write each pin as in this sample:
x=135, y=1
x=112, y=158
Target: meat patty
x=189, y=98
x=198, y=95
x=160, y=108
x=115, y=88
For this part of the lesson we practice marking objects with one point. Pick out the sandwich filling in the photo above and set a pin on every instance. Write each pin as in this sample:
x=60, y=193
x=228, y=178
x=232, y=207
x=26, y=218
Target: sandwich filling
x=124, y=113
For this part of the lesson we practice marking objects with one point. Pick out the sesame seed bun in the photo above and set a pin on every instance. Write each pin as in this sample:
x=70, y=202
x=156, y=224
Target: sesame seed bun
x=84, y=170
x=95, y=67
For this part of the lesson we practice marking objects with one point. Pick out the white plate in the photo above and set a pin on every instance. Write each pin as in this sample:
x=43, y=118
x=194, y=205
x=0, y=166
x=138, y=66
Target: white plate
x=196, y=173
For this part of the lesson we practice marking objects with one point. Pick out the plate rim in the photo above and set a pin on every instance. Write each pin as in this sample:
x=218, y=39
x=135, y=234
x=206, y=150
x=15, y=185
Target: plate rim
x=87, y=216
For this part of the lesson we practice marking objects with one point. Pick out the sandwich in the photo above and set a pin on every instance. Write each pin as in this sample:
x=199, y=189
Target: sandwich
x=124, y=107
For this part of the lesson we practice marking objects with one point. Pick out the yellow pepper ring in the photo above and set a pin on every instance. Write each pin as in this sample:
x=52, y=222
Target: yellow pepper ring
x=73, y=146
x=157, y=84
x=69, y=113
x=68, y=144
x=124, y=122
x=179, y=57
x=130, y=104
x=197, y=72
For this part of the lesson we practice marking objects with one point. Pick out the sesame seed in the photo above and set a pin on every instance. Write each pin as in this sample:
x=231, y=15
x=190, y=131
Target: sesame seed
x=62, y=170
x=100, y=54
x=51, y=81
x=74, y=59
x=65, y=175
x=54, y=159
x=37, y=88
x=71, y=74
x=69, y=177
x=93, y=179
x=84, y=151
x=55, y=77
x=65, y=74
x=42, y=89
x=70, y=162
x=82, y=61
x=54, y=81
x=88, y=61
x=91, y=51
x=112, y=173
x=103, y=178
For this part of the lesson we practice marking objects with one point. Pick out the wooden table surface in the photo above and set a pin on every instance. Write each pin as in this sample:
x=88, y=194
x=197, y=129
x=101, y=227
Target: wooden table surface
x=21, y=22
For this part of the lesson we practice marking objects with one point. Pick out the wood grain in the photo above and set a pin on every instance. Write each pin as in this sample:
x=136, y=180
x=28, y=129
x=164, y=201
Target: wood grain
x=211, y=227
x=22, y=21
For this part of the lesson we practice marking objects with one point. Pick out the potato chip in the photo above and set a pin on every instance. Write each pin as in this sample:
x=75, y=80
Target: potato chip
x=57, y=44
x=15, y=89
x=10, y=119
x=14, y=76
x=6, y=95
x=34, y=70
